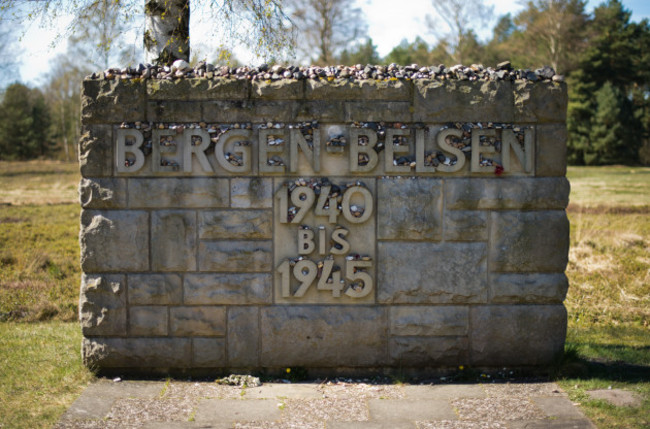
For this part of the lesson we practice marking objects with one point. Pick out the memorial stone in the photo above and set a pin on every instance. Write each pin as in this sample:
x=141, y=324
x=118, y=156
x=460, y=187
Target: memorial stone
x=342, y=225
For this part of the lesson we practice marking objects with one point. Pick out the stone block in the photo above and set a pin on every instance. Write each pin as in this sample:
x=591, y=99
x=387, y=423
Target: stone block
x=227, y=111
x=344, y=89
x=334, y=337
x=547, y=193
x=251, y=192
x=235, y=256
x=148, y=321
x=409, y=209
x=136, y=352
x=274, y=111
x=376, y=111
x=429, y=320
x=200, y=321
x=198, y=89
x=551, y=150
x=208, y=352
x=175, y=192
x=102, y=193
x=174, y=111
x=535, y=288
x=529, y=241
x=103, y=236
x=232, y=289
x=155, y=289
x=324, y=111
x=230, y=411
x=235, y=224
x=465, y=225
x=173, y=240
x=453, y=100
x=517, y=335
x=112, y=101
x=540, y=101
x=426, y=273
x=283, y=89
x=102, y=305
x=428, y=351
x=243, y=336
x=96, y=151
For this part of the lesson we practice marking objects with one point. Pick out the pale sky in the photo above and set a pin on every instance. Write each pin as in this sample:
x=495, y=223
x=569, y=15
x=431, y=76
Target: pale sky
x=389, y=22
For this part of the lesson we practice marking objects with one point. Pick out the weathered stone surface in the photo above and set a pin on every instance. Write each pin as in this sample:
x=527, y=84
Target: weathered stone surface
x=102, y=193
x=102, y=238
x=507, y=193
x=177, y=192
x=235, y=256
x=421, y=273
x=375, y=111
x=429, y=320
x=395, y=410
x=344, y=89
x=198, y=89
x=173, y=240
x=283, y=89
x=228, y=111
x=409, y=209
x=132, y=352
x=235, y=224
x=325, y=111
x=233, y=289
x=540, y=101
x=102, y=305
x=209, y=352
x=274, y=111
x=517, y=335
x=251, y=192
x=334, y=336
x=174, y=111
x=428, y=351
x=243, y=336
x=465, y=225
x=446, y=101
x=529, y=241
x=528, y=288
x=112, y=101
x=155, y=289
x=148, y=321
x=96, y=151
x=202, y=321
x=550, y=156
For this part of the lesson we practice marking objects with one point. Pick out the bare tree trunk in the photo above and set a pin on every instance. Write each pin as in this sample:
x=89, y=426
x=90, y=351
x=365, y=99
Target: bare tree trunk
x=167, y=31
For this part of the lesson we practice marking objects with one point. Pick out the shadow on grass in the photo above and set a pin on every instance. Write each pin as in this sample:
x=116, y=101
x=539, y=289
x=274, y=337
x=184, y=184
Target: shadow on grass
x=575, y=365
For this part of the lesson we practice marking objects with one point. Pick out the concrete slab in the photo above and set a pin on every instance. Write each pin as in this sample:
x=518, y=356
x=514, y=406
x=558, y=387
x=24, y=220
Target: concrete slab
x=552, y=424
x=558, y=407
x=410, y=410
x=618, y=397
x=186, y=425
x=281, y=390
x=235, y=410
x=371, y=425
x=446, y=391
x=98, y=398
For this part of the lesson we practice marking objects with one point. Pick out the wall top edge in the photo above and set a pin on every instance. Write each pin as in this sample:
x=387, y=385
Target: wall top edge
x=357, y=73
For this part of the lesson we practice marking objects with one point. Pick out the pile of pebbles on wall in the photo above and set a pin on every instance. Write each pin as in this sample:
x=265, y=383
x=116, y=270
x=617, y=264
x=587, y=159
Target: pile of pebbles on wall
x=182, y=69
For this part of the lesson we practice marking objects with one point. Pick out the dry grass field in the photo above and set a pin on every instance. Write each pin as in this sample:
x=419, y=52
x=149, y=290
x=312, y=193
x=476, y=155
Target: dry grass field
x=608, y=341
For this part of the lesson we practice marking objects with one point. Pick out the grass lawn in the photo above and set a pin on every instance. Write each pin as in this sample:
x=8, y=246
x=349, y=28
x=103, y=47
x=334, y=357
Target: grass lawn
x=608, y=341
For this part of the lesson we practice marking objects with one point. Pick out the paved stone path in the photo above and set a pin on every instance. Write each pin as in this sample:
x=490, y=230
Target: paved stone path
x=327, y=405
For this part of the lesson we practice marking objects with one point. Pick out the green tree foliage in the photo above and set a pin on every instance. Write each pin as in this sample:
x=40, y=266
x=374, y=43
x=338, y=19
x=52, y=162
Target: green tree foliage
x=417, y=52
x=365, y=53
x=24, y=124
x=611, y=79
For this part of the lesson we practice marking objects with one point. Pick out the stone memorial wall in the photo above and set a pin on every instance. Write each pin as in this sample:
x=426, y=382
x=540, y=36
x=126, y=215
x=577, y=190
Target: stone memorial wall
x=339, y=225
